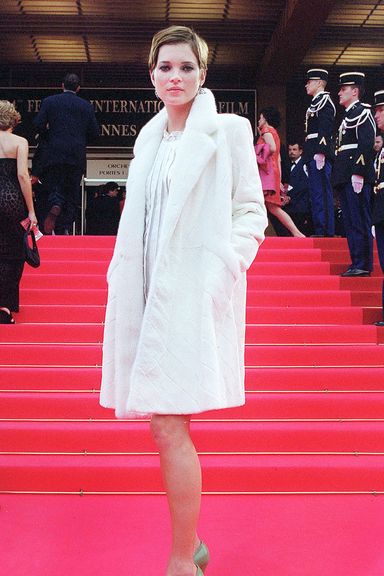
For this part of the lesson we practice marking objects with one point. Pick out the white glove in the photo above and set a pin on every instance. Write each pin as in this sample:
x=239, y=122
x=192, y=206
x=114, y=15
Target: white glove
x=320, y=160
x=357, y=183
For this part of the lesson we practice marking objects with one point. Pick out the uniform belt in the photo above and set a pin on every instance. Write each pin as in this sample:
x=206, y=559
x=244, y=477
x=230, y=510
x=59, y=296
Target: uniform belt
x=310, y=136
x=347, y=147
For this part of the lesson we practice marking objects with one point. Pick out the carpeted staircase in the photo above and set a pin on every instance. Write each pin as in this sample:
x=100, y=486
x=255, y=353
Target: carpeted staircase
x=293, y=481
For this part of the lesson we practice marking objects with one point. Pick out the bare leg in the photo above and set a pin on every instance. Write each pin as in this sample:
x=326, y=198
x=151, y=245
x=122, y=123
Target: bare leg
x=181, y=473
x=284, y=218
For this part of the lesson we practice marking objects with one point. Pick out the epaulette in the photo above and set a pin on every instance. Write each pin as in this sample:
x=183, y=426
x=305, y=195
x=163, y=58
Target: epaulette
x=325, y=97
x=361, y=117
x=354, y=123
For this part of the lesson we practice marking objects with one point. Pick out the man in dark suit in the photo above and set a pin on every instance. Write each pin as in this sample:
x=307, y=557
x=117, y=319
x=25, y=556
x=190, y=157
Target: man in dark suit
x=353, y=172
x=378, y=202
x=68, y=122
x=318, y=151
x=299, y=206
x=103, y=211
x=297, y=191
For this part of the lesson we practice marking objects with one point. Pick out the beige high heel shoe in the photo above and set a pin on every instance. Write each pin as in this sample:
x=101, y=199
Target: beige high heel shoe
x=201, y=557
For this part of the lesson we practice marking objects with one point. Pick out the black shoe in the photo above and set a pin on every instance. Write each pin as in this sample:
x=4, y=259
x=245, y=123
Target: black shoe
x=353, y=272
x=379, y=323
x=50, y=220
x=6, y=317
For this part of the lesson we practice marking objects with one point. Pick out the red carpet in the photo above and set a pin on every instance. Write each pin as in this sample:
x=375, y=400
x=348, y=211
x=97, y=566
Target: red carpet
x=293, y=481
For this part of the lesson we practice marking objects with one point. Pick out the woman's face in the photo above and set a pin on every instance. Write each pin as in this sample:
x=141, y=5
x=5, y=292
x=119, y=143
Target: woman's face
x=262, y=122
x=177, y=76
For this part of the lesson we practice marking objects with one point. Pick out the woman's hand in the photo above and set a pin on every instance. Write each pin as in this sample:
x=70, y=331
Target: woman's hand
x=32, y=218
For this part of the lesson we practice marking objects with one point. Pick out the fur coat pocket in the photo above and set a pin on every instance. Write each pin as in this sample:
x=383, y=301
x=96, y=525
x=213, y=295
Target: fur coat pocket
x=224, y=272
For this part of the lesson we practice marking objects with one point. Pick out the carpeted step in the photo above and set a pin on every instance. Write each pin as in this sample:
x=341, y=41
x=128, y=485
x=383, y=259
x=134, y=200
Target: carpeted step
x=307, y=355
x=311, y=334
x=258, y=267
x=33, y=313
x=255, y=334
x=91, y=296
x=366, y=298
x=342, y=256
x=67, y=296
x=255, y=355
x=290, y=297
x=44, y=378
x=370, y=283
x=304, y=315
x=259, y=406
x=226, y=436
x=71, y=267
x=53, y=333
x=290, y=535
x=272, y=378
x=72, y=281
x=77, y=242
x=288, y=268
x=299, y=243
x=301, y=282
x=51, y=354
x=290, y=254
x=222, y=473
x=93, y=254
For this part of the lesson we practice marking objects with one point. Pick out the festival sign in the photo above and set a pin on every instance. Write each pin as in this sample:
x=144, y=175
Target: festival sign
x=120, y=112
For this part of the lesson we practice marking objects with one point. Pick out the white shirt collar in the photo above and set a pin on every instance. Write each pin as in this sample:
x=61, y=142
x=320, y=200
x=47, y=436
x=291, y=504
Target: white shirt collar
x=350, y=106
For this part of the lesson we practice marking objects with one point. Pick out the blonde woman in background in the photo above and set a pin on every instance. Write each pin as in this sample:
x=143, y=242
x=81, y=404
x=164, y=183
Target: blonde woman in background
x=15, y=205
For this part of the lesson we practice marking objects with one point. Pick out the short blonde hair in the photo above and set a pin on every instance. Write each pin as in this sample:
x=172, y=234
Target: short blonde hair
x=9, y=116
x=179, y=35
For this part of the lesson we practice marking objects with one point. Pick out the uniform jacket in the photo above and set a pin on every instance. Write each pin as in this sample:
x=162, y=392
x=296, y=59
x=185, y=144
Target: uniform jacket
x=182, y=351
x=68, y=122
x=357, y=132
x=378, y=198
x=319, y=127
x=300, y=202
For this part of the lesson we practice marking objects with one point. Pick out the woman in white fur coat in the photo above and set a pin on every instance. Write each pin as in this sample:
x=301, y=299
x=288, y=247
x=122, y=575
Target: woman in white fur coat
x=192, y=223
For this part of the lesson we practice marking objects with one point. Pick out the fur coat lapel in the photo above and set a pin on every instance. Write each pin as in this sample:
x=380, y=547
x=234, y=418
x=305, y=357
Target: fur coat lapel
x=196, y=148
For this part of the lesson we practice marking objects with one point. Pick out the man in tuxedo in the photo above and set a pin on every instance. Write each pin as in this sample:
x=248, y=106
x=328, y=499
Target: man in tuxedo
x=297, y=191
x=299, y=206
x=318, y=151
x=353, y=172
x=68, y=123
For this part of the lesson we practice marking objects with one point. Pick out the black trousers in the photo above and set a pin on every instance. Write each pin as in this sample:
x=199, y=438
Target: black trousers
x=63, y=184
x=379, y=232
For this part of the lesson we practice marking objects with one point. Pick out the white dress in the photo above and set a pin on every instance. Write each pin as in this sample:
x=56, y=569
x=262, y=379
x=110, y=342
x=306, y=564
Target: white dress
x=156, y=197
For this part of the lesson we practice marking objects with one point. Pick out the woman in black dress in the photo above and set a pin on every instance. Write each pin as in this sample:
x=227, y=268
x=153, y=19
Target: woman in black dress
x=15, y=205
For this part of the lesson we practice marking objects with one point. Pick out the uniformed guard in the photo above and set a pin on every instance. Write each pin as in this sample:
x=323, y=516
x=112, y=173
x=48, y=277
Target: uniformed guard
x=378, y=202
x=353, y=172
x=319, y=151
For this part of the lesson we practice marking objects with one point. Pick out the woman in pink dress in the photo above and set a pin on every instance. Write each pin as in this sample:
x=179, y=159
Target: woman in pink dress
x=269, y=161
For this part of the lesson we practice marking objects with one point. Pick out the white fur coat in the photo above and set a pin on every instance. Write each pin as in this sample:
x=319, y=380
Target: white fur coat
x=182, y=352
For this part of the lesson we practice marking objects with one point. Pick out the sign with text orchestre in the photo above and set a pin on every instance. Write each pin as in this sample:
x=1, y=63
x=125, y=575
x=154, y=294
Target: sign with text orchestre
x=120, y=112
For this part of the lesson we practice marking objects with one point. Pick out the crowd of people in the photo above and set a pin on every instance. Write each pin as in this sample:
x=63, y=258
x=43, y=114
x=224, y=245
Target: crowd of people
x=335, y=182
